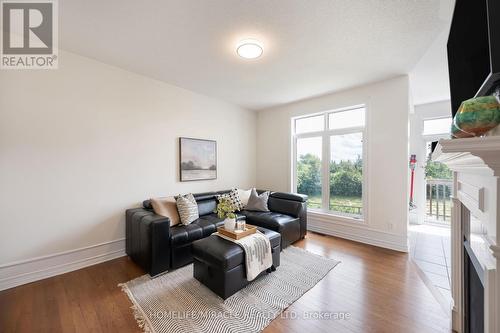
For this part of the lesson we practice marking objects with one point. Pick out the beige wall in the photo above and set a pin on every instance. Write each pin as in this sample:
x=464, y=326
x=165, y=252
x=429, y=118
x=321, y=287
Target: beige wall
x=387, y=158
x=80, y=144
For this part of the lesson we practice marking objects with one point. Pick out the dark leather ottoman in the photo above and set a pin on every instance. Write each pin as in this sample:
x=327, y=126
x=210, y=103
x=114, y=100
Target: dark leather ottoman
x=220, y=264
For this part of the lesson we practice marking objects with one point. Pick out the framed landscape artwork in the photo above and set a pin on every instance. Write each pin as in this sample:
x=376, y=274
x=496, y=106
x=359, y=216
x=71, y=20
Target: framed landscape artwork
x=198, y=159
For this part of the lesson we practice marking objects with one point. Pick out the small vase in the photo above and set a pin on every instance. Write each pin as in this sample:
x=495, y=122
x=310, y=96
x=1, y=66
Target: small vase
x=229, y=224
x=477, y=116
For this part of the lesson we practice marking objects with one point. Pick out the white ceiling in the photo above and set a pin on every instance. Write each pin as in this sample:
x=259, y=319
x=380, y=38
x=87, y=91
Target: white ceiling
x=310, y=47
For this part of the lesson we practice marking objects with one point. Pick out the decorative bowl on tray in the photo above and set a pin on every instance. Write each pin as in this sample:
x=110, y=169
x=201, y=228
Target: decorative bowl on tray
x=476, y=116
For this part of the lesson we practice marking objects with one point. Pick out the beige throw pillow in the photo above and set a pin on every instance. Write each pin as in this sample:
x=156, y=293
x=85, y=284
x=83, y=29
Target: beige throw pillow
x=244, y=196
x=166, y=207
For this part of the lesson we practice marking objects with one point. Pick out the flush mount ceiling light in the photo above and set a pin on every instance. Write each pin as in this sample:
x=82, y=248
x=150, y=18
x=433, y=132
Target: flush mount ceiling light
x=249, y=49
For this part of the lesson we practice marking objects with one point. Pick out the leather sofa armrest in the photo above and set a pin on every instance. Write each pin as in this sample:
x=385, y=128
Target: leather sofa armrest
x=148, y=240
x=292, y=204
x=160, y=245
x=290, y=196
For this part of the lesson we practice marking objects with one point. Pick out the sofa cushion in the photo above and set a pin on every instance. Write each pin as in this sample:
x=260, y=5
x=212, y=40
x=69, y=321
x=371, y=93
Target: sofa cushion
x=269, y=220
x=208, y=226
x=288, y=207
x=206, y=206
x=209, y=223
x=288, y=226
x=182, y=234
x=204, y=196
x=218, y=222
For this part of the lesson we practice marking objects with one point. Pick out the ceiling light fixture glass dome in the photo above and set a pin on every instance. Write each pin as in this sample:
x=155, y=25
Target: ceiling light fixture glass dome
x=249, y=49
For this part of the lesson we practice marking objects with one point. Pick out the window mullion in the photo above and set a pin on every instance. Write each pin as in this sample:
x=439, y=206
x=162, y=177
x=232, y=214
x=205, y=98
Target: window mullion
x=325, y=188
x=345, y=130
x=364, y=188
x=294, y=164
x=326, y=172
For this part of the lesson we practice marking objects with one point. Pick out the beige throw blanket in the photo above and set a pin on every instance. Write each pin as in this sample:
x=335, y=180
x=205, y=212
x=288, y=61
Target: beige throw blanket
x=258, y=255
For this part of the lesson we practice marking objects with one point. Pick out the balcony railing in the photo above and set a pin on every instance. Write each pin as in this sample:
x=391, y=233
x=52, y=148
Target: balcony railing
x=438, y=193
x=356, y=210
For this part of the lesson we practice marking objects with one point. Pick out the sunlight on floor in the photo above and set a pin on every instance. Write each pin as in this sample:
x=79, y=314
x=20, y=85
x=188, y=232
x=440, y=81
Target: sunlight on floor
x=430, y=249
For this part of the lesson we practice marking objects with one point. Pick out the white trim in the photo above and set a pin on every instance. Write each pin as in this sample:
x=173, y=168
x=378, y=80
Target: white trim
x=341, y=109
x=456, y=262
x=330, y=132
x=474, y=156
x=472, y=197
x=334, y=216
x=325, y=165
x=434, y=136
x=292, y=161
x=21, y=272
x=358, y=233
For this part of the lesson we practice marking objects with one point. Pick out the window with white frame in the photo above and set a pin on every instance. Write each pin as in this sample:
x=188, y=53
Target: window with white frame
x=328, y=161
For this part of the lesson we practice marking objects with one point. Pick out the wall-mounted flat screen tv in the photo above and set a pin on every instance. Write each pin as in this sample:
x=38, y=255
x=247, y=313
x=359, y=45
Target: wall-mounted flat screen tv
x=474, y=50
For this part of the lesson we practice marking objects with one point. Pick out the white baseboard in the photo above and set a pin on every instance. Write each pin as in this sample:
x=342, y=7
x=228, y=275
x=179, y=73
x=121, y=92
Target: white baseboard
x=361, y=234
x=26, y=271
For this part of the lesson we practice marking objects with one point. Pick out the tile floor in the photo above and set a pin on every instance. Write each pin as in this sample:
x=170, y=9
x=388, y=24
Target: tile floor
x=430, y=249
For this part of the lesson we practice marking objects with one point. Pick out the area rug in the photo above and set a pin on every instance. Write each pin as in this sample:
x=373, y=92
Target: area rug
x=177, y=302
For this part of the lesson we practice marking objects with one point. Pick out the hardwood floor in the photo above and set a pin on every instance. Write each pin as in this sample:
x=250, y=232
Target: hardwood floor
x=380, y=290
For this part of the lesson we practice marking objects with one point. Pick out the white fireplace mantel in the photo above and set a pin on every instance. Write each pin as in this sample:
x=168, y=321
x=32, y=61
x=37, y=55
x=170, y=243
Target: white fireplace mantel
x=475, y=163
x=476, y=155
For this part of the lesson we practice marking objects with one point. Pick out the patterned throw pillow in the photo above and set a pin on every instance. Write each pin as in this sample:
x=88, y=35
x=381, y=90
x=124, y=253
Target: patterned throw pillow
x=187, y=208
x=233, y=197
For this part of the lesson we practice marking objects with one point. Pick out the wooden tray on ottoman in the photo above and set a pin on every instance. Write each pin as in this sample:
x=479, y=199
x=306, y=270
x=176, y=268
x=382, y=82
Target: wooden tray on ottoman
x=249, y=229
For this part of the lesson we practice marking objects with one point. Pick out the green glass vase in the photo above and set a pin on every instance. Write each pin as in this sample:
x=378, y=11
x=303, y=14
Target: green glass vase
x=477, y=116
x=458, y=133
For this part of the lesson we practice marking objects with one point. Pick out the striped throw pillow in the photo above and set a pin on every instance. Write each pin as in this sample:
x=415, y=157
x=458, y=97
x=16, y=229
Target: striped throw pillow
x=187, y=208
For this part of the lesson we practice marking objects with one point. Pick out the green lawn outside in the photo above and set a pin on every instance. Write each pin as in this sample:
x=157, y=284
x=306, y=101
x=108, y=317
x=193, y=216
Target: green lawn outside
x=350, y=205
x=343, y=204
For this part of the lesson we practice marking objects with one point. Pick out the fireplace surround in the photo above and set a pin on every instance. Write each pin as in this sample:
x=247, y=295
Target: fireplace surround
x=475, y=229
